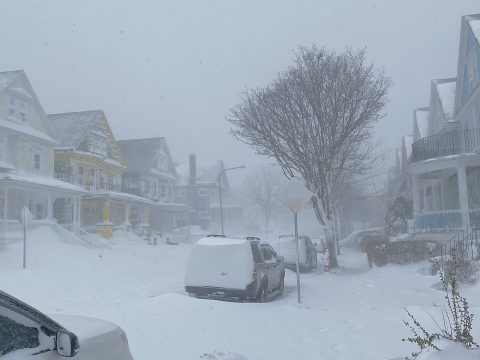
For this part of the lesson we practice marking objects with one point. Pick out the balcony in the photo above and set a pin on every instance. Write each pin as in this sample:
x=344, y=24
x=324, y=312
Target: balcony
x=446, y=143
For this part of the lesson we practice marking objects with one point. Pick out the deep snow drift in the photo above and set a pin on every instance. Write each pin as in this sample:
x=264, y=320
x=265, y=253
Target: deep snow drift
x=353, y=314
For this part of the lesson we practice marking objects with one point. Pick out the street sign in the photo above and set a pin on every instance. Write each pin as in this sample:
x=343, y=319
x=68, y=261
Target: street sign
x=294, y=195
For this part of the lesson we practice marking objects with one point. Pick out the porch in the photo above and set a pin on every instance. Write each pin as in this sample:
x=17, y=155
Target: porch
x=446, y=192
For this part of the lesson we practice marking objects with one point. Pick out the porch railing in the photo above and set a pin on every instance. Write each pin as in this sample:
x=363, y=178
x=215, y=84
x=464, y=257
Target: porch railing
x=75, y=235
x=464, y=246
x=446, y=219
x=446, y=143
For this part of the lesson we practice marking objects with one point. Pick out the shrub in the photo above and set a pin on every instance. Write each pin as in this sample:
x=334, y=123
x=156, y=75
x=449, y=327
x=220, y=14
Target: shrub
x=397, y=215
x=404, y=252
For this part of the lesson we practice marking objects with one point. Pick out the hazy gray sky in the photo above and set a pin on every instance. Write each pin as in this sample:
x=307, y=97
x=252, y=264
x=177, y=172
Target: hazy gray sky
x=173, y=68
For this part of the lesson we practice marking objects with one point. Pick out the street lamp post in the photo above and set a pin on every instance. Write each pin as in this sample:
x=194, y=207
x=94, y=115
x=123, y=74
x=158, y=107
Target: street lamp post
x=220, y=191
x=294, y=196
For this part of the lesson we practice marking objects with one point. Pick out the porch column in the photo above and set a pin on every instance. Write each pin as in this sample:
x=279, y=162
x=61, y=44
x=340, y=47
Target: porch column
x=463, y=195
x=127, y=215
x=416, y=195
x=3, y=235
x=75, y=214
x=79, y=204
x=105, y=227
x=442, y=194
x=425, y=202
x=432, y=184
x=49, y=207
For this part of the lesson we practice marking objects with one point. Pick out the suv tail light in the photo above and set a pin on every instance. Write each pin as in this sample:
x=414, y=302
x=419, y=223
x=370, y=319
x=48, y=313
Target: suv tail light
x=254, y=275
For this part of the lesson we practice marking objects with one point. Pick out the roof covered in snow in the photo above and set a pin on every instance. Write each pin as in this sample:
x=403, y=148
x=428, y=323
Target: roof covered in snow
x=474, y=22
x=70, y=128
x=446, y=93
x=142, y=154
x=25, y=129
x=421, y=116
x=207, y=172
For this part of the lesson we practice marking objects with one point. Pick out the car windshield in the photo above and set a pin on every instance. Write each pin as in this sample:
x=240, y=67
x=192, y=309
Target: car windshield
x=239, y=180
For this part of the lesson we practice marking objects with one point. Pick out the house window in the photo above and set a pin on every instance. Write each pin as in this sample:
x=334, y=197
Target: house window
x=36, y=161
x=3, y=148
x=162, y=190
x=203, y=193
x=472, y=71
x=98, y=145
x=182, y=193
x=17, y=109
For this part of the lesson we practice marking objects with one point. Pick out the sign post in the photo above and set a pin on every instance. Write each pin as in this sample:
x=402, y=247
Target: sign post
x=25, y=218
x=294, y=196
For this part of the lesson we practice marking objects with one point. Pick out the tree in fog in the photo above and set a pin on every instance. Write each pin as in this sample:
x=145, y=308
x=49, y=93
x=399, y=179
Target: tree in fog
x=316, y=119
x=262, y=189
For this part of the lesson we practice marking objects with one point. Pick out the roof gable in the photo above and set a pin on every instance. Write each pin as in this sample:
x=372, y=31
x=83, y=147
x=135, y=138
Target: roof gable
x=474, y=22
x=445, y=89
x=71, y=129
x=17, y=84
x=142, y=154
x=420, y=123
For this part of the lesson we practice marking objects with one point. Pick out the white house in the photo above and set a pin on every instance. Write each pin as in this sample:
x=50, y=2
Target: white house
x=27, y=157
x=445, y=161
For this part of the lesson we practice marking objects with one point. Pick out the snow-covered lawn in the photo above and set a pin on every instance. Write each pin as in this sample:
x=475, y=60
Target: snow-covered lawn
x=353, y=314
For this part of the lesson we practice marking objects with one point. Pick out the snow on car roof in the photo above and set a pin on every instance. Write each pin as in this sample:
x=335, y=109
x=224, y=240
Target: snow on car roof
x=217, y=241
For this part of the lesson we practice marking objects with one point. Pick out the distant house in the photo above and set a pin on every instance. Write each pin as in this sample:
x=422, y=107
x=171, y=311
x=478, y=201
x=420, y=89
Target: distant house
x=151, y=174
x=445, y=161
x=87, y=155
x=198, y=189
x=27, y=157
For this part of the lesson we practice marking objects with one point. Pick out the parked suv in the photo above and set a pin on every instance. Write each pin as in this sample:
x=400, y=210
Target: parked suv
x=285, y=246
x=228, y=268
x=26, y=333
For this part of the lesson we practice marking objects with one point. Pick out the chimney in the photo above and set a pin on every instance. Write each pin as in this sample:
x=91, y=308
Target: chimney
x=193, y=169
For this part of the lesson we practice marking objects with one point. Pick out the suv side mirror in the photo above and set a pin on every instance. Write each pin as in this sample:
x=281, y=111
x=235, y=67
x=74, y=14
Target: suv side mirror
x=280, y=258
x=66, y=344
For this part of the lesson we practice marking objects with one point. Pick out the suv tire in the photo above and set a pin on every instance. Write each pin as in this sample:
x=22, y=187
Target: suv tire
x=262, y=292
x=281, y=286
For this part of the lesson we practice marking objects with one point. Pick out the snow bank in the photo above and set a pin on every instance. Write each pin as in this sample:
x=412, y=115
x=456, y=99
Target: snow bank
x=450, y=351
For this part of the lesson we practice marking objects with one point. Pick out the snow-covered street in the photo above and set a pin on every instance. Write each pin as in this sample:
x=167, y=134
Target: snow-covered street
x=352, y=314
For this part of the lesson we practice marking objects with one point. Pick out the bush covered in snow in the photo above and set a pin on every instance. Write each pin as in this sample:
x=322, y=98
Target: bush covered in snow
x=397, y=215
x=404, y=252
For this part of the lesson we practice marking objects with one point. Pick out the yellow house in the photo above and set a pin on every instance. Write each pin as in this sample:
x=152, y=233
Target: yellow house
x=88, y=156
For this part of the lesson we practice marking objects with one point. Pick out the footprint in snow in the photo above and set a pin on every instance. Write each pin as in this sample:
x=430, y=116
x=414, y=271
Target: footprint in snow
x=220, y=355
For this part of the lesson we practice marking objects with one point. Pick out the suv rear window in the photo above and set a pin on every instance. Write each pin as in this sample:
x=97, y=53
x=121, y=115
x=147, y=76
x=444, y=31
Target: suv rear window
x=257, y=258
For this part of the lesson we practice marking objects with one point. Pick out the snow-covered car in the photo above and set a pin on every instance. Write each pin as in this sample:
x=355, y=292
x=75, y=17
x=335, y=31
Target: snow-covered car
x=285, y=246
x=228, y=268
x=26, y=333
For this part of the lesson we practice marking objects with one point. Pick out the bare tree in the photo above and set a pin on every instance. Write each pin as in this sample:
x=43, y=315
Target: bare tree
x=262, y=190
x=316, y=119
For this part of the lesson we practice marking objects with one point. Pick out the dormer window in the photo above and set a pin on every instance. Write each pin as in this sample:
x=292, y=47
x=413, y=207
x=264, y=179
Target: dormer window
x=98, y=145
x=17, y=109
x=472, y=68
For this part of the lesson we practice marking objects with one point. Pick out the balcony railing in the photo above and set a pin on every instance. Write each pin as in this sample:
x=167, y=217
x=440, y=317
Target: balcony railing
x=446, y=143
